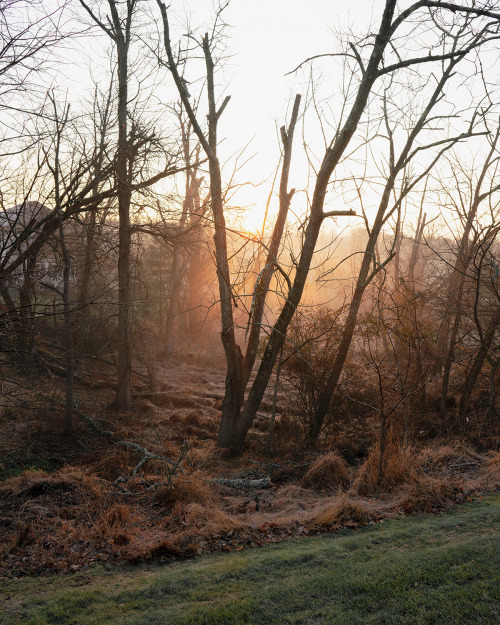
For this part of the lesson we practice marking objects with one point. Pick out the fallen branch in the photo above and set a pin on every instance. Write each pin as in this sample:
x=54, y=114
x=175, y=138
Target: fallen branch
x=147, y=455
x=238, y=483
x=92, y=423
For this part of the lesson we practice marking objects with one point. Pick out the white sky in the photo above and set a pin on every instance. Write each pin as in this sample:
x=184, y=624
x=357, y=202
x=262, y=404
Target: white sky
x=269, y=38
x=266, y=39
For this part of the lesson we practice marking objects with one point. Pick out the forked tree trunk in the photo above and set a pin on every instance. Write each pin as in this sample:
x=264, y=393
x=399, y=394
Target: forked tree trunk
x=264, y=280
x=235, y=420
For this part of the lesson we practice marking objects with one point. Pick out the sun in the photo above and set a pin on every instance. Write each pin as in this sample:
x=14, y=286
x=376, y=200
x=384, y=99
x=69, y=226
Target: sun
x=254, y=221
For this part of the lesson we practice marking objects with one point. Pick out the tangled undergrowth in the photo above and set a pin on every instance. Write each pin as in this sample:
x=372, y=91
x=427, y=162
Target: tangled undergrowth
x=70, y=502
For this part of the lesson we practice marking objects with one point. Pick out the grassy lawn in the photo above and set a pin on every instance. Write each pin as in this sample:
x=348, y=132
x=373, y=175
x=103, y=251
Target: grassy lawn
x=442, y=569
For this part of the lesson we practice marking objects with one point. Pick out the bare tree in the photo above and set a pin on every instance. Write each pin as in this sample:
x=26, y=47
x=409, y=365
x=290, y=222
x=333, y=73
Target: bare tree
x=469, y=32
x=486, y=314
x=190, y=224
x=119, y=27
x=93, y=219
x=55, y=169
x=466, y=202
x=119, y=30
x=370, y=266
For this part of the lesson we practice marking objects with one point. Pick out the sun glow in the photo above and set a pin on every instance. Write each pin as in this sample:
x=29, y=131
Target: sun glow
x=253, y=222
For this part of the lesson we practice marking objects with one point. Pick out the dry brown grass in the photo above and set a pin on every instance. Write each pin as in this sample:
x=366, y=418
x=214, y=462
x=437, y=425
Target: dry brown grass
x=491, y=471
x=398, y=466
x=80, y=516
x=206, y=521
x=191, y=489
x=114, y=463
x=445, y=456
x=425, y=493
x=116, y=516
x=193, y=417
x=190, y=523
x=204, y=458
x=329, y=471
x=34, y=483
x=343, y=510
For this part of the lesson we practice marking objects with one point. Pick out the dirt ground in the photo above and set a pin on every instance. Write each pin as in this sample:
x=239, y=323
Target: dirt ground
x=68, y=501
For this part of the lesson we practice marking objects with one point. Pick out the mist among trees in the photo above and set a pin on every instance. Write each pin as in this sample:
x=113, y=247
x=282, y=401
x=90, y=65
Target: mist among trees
x=330, y=318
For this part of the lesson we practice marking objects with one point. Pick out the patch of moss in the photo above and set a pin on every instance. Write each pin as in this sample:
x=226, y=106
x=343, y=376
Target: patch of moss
x=12, y=468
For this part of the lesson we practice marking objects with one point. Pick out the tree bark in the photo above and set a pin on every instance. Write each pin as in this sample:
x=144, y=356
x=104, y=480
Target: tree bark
x=123, y=394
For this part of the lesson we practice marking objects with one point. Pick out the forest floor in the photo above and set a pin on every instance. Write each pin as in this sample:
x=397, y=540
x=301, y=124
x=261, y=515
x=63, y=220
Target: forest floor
x=407, y=571
x=70, y=501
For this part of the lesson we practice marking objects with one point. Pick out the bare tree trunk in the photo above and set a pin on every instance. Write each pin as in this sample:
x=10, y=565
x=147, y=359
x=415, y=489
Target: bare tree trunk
x=65, y=293
x=453, y=293
x=345, y=343
x=68, y=336
x=364, y=278
x=450, y=356
x=173, y=300
x=178, y=264
x=397, y=258
x=26, y=312
x=119, y=31
x=275, y=400
x=421, y=396
x=123, y=395
x=382, y=435
x=262, y=285
x=88, y=260
x=463, y=258
x=416, y=245
x=491, y=412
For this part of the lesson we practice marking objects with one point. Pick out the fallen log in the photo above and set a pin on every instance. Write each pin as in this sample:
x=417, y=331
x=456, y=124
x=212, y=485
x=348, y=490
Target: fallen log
x=238, y=483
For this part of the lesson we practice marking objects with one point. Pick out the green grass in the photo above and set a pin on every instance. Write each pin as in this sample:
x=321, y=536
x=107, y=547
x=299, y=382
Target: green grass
x=442, y=569
x=13, y=468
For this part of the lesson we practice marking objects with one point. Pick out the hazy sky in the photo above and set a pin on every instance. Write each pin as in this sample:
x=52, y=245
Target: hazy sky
x=265, y=40
x=269, y=38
